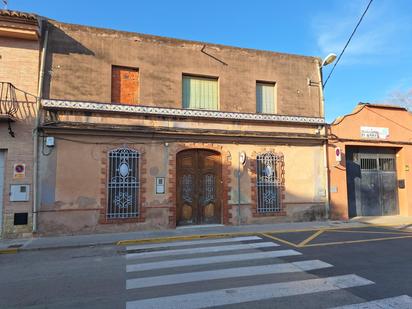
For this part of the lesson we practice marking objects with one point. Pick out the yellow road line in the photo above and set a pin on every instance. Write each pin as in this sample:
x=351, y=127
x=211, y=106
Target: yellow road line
x=310, y=238
x=233, y=234
x=369, y=232
x=356, y=241
x=328, y=228
x=279, y=239
x=8, y=251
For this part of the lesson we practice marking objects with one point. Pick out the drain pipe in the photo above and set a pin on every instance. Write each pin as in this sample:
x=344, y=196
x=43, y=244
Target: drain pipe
x=238, y=189
x=36, y=132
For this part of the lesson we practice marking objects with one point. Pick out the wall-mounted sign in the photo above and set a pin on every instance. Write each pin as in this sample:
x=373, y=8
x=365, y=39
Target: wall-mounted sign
x=160, y=185
x=19, y=171
x=374, y=133
x=338, y=154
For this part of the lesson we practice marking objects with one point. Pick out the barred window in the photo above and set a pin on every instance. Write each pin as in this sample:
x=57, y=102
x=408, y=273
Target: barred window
x=123, y=184
x=269, y=182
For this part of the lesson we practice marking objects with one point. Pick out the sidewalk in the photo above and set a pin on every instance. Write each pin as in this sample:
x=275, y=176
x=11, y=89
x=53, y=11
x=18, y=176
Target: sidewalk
x=399, y=221
x=39, y=243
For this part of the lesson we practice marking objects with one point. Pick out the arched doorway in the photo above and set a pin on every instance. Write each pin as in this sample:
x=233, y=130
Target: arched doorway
x=199, y=187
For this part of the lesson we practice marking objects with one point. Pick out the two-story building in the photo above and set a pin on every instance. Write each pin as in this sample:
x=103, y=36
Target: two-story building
x=147, y=132
x=19, y=73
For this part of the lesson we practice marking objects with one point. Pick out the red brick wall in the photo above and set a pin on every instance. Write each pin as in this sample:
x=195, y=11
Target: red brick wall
x=125, y=85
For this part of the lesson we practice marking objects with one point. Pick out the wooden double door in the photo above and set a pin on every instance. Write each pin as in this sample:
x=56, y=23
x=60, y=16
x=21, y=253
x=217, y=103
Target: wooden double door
x=199, y=182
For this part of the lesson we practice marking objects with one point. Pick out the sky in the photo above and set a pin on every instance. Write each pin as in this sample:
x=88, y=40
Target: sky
x=376, y=66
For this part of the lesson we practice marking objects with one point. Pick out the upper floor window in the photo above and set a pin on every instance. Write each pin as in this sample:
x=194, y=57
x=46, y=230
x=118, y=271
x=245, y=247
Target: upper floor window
x=266, y=98
x=200, y=92
x=125, y=85
x=123, y=184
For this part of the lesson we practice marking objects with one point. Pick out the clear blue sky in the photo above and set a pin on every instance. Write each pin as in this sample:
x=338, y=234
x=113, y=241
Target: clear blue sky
x=377, y=63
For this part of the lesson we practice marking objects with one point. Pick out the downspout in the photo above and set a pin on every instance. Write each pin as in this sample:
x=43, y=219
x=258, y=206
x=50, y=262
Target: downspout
x=325, y=149
x=238, y=190
x=36, y=132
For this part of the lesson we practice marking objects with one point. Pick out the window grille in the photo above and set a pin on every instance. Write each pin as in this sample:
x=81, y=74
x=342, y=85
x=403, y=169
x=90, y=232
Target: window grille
x=368, y=164
x=269, y=182
x=123, y=184
x=375, y=164
x=387, y=164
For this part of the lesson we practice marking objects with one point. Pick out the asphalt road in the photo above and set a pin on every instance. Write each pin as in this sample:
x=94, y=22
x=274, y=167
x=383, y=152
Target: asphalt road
x=251, y=272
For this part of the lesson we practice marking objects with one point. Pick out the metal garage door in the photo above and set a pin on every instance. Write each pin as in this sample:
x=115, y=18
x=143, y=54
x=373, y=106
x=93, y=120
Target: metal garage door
x=372, y=182
x=2, y=159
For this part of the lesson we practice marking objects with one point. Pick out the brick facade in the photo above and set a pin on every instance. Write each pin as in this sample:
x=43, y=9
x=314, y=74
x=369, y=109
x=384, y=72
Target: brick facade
x=19, y=65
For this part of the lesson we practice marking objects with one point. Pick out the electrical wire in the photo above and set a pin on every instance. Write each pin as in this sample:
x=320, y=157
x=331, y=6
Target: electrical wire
x=347, y=43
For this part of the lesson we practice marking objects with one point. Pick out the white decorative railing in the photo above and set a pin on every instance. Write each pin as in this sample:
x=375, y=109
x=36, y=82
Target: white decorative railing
x=161, y=111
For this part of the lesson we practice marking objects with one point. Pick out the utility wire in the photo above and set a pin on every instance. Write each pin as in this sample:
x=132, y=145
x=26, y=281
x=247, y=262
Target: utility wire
x=347, y=43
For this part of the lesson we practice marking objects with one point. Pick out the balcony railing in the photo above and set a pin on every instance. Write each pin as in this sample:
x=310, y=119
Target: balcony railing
x=11, y=99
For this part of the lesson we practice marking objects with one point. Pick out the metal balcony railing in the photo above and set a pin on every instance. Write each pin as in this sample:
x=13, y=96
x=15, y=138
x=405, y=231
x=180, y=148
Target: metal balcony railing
x=11, y=97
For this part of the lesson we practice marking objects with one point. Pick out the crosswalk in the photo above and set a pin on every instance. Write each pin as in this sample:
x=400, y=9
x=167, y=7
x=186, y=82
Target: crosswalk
x=239, y=271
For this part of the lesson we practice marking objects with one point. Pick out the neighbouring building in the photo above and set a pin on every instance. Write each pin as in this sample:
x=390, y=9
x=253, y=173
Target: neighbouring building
x=370, y=153
x=19, y=73
x=148, y=132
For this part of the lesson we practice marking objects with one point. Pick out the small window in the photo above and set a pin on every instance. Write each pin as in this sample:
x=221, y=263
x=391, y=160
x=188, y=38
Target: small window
x=370, y=164
x=387, y=164
x=266, y=98
x=200, y=92
x=269, y=182
x=123, y=184
x=125, y=85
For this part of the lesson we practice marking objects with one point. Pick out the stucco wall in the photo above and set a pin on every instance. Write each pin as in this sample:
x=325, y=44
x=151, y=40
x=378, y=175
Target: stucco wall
x=80, y=58
x=19, y=65
x=346, y=132
x=73, y=183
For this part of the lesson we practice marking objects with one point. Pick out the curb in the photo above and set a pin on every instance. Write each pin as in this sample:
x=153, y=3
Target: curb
x=193, y=237
x=9, y=251
x=188, y=237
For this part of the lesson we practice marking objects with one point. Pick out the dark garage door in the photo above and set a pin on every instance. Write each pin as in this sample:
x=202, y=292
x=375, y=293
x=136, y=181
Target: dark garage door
x=372, y=182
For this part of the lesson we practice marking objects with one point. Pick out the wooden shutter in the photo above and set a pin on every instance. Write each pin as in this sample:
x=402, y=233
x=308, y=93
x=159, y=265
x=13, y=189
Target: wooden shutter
x=266, y=98
x=200, y=93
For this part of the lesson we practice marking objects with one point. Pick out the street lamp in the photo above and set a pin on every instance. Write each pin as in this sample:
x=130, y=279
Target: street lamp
x=328, y=59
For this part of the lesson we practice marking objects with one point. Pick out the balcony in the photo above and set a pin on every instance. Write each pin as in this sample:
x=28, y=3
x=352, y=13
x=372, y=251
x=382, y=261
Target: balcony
x=11, y=100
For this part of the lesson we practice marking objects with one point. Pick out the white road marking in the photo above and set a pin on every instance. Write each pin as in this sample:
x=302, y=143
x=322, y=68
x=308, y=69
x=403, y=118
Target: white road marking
x=200, y=250
x=211, y=260
x=192, y=242
x=249, y=293
x=225, y=273
x=399, y=302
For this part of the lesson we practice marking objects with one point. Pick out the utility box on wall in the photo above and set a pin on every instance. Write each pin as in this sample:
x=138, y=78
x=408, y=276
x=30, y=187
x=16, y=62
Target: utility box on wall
x=19, y=193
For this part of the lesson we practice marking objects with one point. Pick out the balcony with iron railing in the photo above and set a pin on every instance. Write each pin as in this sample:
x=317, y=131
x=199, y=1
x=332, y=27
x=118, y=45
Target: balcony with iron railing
x=12, y=100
